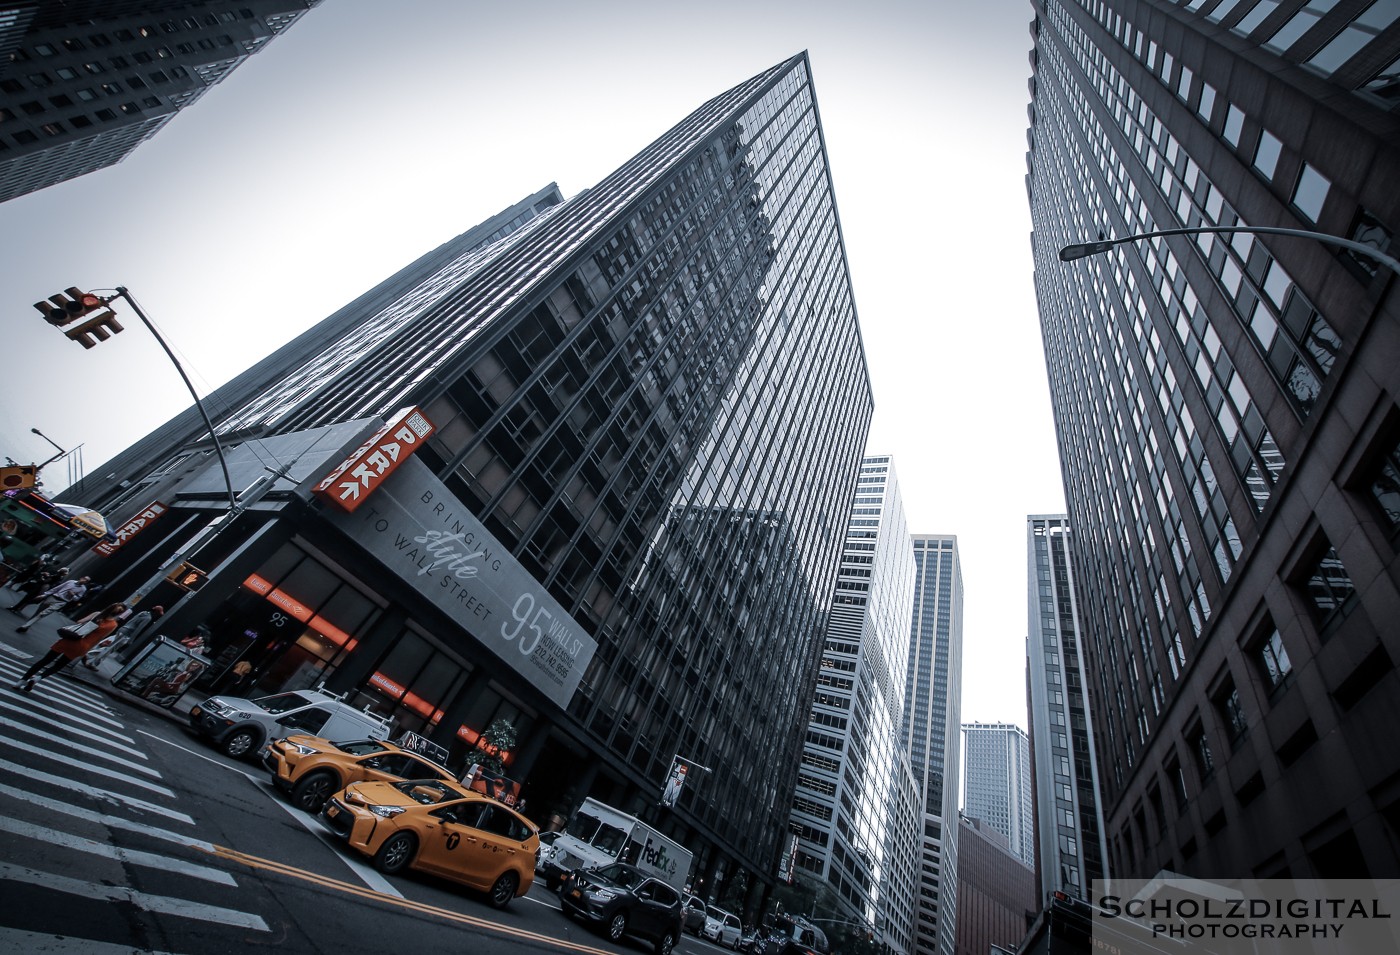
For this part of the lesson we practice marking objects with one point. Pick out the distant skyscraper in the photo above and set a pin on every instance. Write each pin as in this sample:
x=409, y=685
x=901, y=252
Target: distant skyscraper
x=856, y=803
x=997, y=783
x=83, y=83
x=1228, y=420
x=648, y=406
x=1070, y=848
x=932, y=715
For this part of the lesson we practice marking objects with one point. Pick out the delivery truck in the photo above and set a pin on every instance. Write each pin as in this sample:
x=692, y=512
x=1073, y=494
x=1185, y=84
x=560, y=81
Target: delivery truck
x=599, y=834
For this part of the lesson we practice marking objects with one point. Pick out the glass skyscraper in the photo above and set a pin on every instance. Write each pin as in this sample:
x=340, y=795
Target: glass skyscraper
x=856, y=807
x=648, y=406
x=1228, y=421
x=932, y=716
x=1070, y=851
x=997, y=783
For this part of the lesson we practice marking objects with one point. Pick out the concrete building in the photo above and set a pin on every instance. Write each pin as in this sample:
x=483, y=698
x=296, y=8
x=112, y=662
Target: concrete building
x=1228, y=421
x=856, y=803
x=83, y=83
x=932, y=715
x=585, y=469
x=996, y=891
x=997, y=783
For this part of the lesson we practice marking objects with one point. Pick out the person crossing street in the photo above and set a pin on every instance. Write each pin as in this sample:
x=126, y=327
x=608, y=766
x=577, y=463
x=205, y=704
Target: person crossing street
x=70, y=591
x=131, y=629
x=67, y=649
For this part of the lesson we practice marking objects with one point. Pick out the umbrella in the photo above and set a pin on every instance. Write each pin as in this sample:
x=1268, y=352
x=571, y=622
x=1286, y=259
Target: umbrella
x=84, y=518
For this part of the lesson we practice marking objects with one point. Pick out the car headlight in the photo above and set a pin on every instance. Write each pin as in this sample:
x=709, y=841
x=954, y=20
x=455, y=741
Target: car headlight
x=604, y=895
x=303, y=750
x=386, y=812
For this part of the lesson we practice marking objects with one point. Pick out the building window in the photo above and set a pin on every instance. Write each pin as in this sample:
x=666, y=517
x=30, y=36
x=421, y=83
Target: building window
x=1329, y=590
x=1385, y=486
x=1273, y=659
x=1310, y=192
x=1266, y=155
x=1200, y=750
x=1234, y=125
x=1231, y=710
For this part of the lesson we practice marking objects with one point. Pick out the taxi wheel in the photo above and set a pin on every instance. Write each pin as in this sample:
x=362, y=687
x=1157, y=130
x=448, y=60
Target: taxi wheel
x=240, y=743
x=504, y=890
x=665, y=944
x=312, y=791
x=396, y=853
x=617, y=926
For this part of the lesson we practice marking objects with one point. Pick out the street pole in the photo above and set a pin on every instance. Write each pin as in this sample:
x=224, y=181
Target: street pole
x=213, y=436
x=1081, y=250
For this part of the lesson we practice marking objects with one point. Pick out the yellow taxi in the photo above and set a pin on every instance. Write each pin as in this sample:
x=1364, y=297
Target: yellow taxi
x=440, y=828
x=311, y=768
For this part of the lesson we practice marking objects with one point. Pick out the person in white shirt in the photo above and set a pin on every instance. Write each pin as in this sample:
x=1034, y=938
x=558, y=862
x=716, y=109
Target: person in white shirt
x=55, y=597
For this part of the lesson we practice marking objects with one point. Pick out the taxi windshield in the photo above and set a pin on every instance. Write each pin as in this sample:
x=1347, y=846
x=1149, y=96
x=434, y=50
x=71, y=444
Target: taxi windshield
x=360, y=747
x=282, y=702
x=428, y=791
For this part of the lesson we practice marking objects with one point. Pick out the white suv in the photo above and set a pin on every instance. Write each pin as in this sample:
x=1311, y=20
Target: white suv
x=722, y=927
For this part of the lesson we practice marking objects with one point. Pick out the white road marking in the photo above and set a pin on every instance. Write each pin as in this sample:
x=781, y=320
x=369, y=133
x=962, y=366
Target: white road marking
x=85, y=750
x=101, y=818
x=161, y=904
x=100, y=771
x=52, y=717
x=150, y=860
x=15, y=940
x=208, y=759
x=24, y=772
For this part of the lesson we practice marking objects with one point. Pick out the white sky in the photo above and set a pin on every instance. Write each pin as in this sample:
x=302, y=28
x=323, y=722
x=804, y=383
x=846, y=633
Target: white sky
x=371, y=132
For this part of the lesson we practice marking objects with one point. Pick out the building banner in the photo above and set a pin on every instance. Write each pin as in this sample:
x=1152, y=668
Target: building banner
x=421, y=533
x=675, y=782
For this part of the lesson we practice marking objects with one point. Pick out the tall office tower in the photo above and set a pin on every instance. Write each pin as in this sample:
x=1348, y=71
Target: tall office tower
x=638, y=417
x=997, y=783
x=1228, y=420
x=996, y=891
x=84, y=83
x=1070, y=851
x=856, y=803
x=932, y=715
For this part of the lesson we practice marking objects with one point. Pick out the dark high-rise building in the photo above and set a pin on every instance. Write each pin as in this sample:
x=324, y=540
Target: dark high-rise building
x=83, y=83
x=1228, y=410
x=996, y=891
x=638, y=417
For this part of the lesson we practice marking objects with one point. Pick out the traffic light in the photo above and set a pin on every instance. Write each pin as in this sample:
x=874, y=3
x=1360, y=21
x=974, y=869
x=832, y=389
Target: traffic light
x=72, y=304
x=17, y=477
x=187, y=576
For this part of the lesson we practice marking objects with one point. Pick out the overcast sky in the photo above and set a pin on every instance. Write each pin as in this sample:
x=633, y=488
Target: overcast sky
x=370, y=133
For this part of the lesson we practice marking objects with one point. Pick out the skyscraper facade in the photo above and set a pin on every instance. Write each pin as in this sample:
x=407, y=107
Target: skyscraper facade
x=997, y=783
x=84, y=83
x=996, y=891
x=856, y=804
x=1070, y=850
x=1228, y=423
x=589, y=477
x=932, y=715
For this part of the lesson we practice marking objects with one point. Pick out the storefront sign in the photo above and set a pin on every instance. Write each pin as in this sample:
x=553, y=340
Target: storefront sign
x=420, y=532
x=359, y=475
x=130, y=529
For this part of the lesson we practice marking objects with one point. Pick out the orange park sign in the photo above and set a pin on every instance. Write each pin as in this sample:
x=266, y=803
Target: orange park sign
x=359, y=475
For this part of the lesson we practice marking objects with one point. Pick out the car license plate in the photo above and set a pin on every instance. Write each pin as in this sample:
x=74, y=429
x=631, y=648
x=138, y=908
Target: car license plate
x=575, y=894
x=332, y=811
x=195, y=711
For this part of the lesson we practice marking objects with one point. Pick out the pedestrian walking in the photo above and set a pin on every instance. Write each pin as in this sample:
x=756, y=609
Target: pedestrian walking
x=33, y=581
x=131, y=629
x=55, y=598
x=87, y=633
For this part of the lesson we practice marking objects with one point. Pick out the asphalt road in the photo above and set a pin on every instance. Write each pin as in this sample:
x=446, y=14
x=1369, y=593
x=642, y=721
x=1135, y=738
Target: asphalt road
x=121, y=832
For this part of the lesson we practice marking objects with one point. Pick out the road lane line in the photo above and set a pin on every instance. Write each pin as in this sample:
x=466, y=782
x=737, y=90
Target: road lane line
x=160, y=904
x=63, y=721
x=79, y=747
x=108, y=773
x=101, y=818
x=25, y=772
x=150, y=860
x=17, y=940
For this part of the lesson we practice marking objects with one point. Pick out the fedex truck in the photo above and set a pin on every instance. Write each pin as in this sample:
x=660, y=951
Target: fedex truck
x=599, y=834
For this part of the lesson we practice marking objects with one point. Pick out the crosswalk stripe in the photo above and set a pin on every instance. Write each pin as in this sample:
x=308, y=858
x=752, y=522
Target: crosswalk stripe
x=75, y=687
x=25, y=772
x=89, y=710
x=100, y=770
x=47, y=717
x=101, y=818
x=63, y=691
x=160, y=904
x=150, y=860
x=10, y=700
x=18, y=940
x=76, y=747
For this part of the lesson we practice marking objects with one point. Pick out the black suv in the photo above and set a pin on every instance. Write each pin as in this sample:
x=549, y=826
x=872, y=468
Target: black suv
x=791, y=935
x=623, y=900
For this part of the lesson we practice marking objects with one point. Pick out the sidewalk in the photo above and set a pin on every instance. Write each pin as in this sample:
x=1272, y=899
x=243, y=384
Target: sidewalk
x=42, y=635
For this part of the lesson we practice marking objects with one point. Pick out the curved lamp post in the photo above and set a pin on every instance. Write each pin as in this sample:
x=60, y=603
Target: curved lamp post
x=1083, y=249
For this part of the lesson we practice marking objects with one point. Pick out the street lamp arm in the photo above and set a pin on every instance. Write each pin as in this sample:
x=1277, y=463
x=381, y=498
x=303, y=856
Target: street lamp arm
x=1080, y=250
x=213, y=436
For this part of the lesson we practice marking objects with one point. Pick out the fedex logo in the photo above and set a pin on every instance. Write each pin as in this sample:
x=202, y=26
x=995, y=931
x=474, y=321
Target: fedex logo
x=358, y=475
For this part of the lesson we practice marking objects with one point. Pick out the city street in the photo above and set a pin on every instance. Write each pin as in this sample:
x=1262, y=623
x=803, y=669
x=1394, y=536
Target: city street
x=120, y=831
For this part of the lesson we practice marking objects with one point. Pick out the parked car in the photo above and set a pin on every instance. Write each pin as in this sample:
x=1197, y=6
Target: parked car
x=240, y=727
x=622, y=900
x=722, y=927
x=791, y=935
x=748, y=940
x=694, y=914
x=311, y=769
x=441, y=828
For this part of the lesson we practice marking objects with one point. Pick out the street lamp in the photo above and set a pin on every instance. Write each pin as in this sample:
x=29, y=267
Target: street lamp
x=1083, y=249
x=51, y=441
